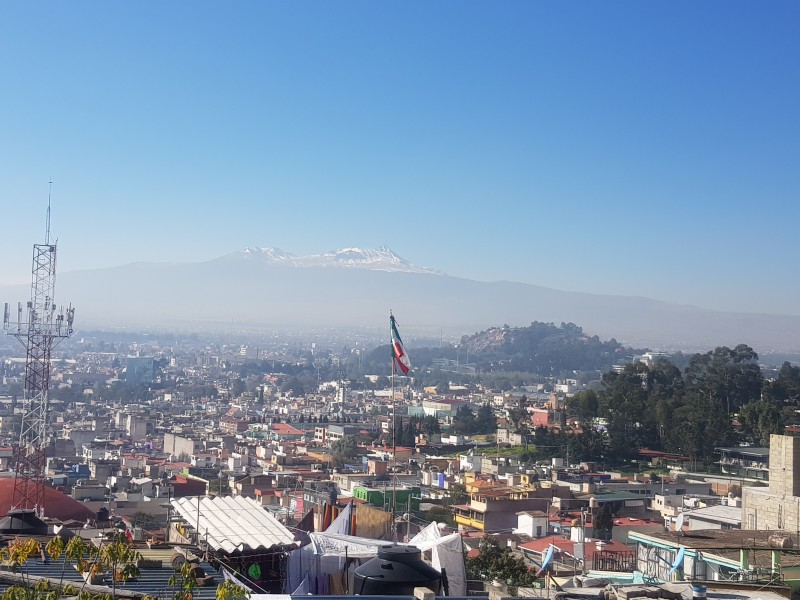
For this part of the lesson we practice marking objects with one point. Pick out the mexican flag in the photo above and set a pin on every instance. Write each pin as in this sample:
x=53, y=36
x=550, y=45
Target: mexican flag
x=398, y=351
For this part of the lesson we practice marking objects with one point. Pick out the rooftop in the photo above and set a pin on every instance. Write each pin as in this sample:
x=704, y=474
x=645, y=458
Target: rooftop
x=725, y=543
x=154, y=582
x=233, y=523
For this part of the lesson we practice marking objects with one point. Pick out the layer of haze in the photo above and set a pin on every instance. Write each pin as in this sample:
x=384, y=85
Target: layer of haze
x=634, y=148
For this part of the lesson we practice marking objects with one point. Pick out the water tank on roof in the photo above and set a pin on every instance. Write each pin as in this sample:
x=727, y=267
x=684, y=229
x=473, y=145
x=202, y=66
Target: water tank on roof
x=396, y=571
x=22, y=521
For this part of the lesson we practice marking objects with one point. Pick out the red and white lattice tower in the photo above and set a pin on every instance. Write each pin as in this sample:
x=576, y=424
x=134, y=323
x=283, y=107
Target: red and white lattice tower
x=39, y=326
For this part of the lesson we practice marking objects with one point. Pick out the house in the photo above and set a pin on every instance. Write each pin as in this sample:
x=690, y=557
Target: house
x=720, y=516
x=246, y=486
x=533, y=523
x=574, y=555
x=496, y=508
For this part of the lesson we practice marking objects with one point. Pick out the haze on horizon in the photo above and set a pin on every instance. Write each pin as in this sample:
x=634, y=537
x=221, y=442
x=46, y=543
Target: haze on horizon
x=643, y=149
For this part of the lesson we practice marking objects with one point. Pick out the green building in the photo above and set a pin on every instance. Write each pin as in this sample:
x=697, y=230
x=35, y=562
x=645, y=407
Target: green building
x=383, y=497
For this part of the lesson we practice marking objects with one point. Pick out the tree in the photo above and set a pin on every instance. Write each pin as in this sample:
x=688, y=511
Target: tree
x=494, y=562
x=183, y=582
x=117, y=557
x=730, y=376
x=295, y=386
x=430, y=425
x=464, y=421
x=759, y=420
x=237, y=388
x=785, y=389
x=584, y=405
x=15, y=555
x=603, y=522
x=228, y=590
x=343, y=450
x=485, y=421
x=625, y=404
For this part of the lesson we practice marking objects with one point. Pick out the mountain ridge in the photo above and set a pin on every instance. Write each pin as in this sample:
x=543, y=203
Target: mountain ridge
x=273, y=294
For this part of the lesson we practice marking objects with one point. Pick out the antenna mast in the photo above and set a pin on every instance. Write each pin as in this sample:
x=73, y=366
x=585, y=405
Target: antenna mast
x=47, y=229
x=39, y=329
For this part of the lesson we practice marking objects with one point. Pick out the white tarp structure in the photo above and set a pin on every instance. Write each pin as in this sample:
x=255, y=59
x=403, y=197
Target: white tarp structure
x=342, y=523
x=232, y=523
x=310, y=568
x=447, y=552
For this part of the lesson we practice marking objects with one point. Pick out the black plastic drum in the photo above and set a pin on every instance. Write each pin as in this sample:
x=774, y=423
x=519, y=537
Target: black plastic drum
x=397, y=570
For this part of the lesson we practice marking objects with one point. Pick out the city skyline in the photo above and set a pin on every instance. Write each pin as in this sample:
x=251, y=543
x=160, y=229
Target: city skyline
x=629, y=149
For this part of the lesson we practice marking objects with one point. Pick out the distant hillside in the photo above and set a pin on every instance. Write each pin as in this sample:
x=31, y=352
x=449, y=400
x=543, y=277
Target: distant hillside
x=541, y=348
x=354, y=289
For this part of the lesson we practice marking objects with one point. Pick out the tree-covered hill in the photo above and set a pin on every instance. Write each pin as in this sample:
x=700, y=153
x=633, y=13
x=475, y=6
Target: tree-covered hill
x=541, y=348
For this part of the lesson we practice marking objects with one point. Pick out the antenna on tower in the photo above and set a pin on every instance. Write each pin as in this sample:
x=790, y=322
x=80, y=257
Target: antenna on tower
x=47, y=230
x=39, y=326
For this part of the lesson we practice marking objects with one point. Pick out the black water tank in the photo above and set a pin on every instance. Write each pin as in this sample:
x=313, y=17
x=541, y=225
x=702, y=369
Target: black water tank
x=22, y=521
x=397, y=570
x=102, y=515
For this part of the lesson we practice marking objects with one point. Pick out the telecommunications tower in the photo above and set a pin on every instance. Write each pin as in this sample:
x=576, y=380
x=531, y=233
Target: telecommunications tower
x=39, y=326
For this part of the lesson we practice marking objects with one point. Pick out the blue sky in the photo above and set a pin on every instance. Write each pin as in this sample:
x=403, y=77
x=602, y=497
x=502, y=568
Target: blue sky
x=638, y=148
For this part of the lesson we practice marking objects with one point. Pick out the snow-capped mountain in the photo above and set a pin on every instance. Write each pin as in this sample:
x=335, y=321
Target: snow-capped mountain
x=380, y=259
x=353, y=287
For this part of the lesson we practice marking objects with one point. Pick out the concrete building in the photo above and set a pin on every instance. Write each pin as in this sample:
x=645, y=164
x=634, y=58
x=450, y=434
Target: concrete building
x=720, y=516
x=776, y=506
x=178, y=445
x=533, y=523
x=497, y=509
x=140, y=370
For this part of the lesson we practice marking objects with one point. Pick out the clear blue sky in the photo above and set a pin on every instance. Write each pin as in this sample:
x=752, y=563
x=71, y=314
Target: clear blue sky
x=639, y=148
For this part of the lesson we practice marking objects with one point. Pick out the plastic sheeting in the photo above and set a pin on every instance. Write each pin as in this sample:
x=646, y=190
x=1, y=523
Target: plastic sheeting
x=329, y=554
x=343, y=523
x=447, y=552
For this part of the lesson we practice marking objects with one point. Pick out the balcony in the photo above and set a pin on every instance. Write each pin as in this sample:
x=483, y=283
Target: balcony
x=469, y=522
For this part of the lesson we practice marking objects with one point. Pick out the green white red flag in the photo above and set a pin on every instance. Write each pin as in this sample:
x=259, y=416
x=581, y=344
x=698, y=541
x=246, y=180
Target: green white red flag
x=399, y=353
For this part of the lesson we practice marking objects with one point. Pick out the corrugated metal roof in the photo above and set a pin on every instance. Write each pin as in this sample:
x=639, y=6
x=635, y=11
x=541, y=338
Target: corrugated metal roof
x=232, y=523
x=152, y=582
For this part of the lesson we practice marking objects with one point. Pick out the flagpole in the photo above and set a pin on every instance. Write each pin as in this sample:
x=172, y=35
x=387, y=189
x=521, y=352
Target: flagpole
x=394, y=436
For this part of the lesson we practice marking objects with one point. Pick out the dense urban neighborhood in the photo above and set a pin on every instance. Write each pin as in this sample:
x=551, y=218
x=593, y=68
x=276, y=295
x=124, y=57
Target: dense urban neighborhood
x=253, y=457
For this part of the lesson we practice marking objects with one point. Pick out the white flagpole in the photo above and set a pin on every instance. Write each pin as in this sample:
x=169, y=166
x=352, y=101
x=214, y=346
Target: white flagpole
x=394, y=435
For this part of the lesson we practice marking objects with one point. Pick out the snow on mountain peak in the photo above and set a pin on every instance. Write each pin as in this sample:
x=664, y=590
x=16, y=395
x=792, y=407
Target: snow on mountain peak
x=378, y=259
x=368, y=256
x=272, y=253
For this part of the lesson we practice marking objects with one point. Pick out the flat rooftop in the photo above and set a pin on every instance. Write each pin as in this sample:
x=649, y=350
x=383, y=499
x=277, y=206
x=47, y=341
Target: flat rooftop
x=720, y=539
x=726, y=543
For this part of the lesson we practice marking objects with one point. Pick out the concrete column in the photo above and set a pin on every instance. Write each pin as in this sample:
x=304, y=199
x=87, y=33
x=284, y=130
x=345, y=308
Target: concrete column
x=776, y=561
x=423, y=593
